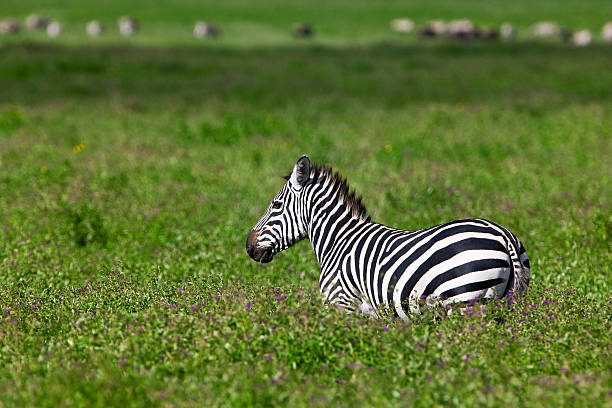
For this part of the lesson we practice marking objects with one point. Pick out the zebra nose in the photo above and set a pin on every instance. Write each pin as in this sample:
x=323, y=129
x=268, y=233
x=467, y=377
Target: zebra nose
x=251, y=242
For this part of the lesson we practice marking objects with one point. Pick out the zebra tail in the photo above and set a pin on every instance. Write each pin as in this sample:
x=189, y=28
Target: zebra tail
x=520, y=271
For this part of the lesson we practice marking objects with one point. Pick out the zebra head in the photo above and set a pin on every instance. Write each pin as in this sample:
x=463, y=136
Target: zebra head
x=283, y=223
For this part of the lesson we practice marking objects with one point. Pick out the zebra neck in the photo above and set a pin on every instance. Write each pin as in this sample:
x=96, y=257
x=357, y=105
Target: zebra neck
x=329, y=229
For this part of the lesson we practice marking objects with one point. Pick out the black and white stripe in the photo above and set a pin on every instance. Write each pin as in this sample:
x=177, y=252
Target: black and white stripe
x=366, y=266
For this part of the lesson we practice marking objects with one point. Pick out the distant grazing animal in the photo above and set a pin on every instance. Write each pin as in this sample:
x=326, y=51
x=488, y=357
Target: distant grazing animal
x=566, y=34
x=546, y=29
x=128, y=26
x=368, y=266
x=36, y=22
x=54, y=29
x=402, y=25
x=94, y=28
x=434, y=28
x=203, y=29
x=582, y=38
x=302, y=30
x=507, y=31
x=487, y=33
x=606, y=32
x=9, y=26
x=462, y=29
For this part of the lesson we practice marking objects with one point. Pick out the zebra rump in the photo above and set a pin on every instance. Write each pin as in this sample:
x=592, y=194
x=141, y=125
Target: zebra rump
x=368, y=266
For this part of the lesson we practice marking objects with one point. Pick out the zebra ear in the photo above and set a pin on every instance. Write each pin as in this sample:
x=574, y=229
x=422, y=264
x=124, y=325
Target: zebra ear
x=301, y=172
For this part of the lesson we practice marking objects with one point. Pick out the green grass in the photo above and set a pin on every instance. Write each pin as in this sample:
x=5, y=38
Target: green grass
x=132, y=170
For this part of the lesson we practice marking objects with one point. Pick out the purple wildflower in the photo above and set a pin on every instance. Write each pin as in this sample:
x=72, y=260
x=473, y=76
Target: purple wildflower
x=248, y=305
x=545, y=381
x=487, y=389
x=385, y=328
x=280, y=298
x=521, y=320
x=269, y=357
x=315, y=399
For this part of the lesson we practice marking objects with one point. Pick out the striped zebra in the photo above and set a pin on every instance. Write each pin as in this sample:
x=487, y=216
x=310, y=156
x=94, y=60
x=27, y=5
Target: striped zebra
x=370, y=267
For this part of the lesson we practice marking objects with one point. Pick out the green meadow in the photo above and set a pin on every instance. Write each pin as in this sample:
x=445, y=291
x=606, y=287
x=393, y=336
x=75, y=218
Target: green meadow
x=133, y=169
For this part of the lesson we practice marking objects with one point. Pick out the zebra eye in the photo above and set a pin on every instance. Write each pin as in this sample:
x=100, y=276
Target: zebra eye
x=277, y=204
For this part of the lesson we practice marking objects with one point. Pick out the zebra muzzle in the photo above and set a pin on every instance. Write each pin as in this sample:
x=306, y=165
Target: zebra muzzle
x=259, y=254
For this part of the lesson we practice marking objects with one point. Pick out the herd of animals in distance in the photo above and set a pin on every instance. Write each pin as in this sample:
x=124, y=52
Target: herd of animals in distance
x=462, y=29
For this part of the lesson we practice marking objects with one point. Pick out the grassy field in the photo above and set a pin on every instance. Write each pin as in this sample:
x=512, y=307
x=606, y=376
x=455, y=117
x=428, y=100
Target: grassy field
x=132, y=170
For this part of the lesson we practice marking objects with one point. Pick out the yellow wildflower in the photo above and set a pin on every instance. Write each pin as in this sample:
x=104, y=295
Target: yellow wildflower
x=79, y=148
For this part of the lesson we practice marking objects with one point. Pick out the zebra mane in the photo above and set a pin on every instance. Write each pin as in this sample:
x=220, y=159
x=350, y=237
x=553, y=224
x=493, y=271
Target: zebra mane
x=338, y=183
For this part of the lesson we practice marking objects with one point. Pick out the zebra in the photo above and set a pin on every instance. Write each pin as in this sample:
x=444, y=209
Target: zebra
x=374, y=268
